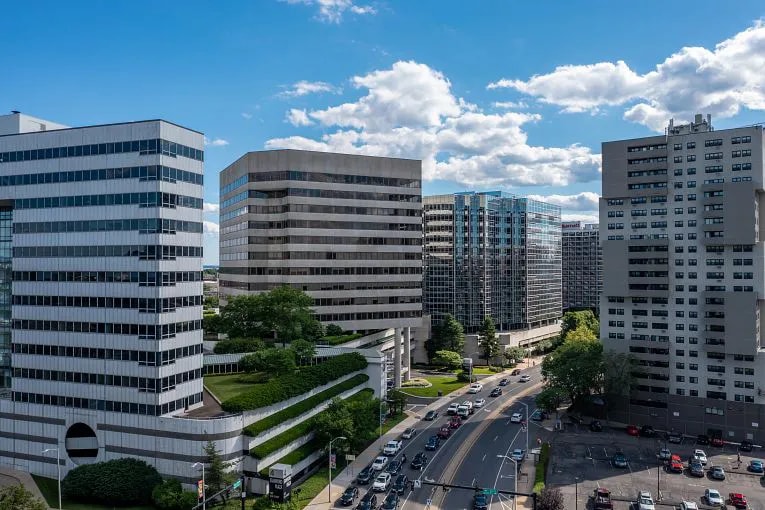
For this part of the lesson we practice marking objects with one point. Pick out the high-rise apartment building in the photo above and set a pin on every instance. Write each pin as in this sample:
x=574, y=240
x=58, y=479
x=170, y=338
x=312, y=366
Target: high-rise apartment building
x=346, y=229
x=683, y=279
x=582, y=261
x=492, y=254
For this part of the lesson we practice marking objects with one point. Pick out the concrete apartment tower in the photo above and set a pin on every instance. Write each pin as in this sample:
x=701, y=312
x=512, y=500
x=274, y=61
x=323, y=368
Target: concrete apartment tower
x=346, y=229
x=683, y=279
x=582, y=261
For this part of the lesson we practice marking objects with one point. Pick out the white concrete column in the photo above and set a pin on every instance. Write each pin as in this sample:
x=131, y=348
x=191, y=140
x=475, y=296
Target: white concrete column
x=397, y=358
x=407, y=352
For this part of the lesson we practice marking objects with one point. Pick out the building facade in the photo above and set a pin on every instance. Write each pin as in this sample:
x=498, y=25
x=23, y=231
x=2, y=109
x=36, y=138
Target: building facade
x=582, y=262
x=491, y=254
x=683, y=276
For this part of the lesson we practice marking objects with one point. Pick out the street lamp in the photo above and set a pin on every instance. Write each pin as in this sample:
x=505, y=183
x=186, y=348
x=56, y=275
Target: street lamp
x=381, y=415
x=330, y=465
x=515, y=475
x=527, y=426
x=58, y=466
x=204, y=488
x=576, y=493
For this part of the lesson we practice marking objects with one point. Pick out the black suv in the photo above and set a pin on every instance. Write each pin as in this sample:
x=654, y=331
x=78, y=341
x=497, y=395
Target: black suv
x=365, y=476
x=702, y=439
x=368, y=502
x=419, y=461
x=350, y=495
x=395, y=466
x=399, y=486
x=391, y=502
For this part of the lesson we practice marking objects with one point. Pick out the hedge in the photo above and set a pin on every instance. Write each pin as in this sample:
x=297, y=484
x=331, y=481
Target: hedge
x=279, y=441
x=304, y=406
x=296, y=456
x=295, y=384
x=238, y=345
x=541, y=469
x=117, y=482
x=339, y=339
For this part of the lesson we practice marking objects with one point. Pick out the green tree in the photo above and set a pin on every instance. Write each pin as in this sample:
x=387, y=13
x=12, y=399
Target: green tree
x=582, y=332
x=287, y=312
x=16, y=497
x=238, y=345
x=304, y=350
x=514, y=354
x=215, y=468
x=366, y=421
x=249, y=363
x=169, y=495
x=550, y=498
x=488, y=343
x=334, y=330
x=449, y=335
x=618, y=378
x=273, y=361
x=397, y=401
x=573, y=320
x=118, y=482
x=575, y=368
x=211, y=302
x=448, y=359
x=336, y=421
x=212, y=323
x=242, y=317
x=550, y=398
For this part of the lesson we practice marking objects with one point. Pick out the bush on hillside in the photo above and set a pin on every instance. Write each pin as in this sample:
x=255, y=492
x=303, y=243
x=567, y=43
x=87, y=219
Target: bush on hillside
x=238, y=345
x=119, y=482
x=169, y=495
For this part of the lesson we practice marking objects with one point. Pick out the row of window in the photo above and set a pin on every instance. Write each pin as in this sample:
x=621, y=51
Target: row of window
x=651, y=147
x=142, y=278
x=142, y=251
x=144, y=199
x=329, y=271
x=638, y=161
x=142, y=173
x=144, y=384
x=332, y=209
x=647, y=185
x=141, y=225
x=368, y=316
x=308, y=287
x=331, y=255
x=143, y=147
x=107, y=405
x=320, y=193
x=294, y=175
x=335, y=225
x=333, y=240
x=142, y=331
x=146, y=305
x=148, y=358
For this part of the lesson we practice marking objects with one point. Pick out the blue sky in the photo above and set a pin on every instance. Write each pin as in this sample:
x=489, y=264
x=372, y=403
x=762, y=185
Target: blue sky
x=491, y=95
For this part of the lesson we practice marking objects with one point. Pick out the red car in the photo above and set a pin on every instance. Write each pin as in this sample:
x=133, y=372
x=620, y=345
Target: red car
x=717, y=441
x=633, y=430
x=675, y=466
x=737, y=499
x=455, y=422
x=444, y=432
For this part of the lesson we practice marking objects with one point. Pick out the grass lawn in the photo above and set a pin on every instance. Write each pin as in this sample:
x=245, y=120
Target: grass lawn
x=392, y=421
x=226, y=386
x=484, y=371
x=445, y=383
x=49, y=489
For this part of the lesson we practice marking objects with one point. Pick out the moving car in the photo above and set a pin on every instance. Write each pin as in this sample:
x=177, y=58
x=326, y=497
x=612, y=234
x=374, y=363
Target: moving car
x=756, y=466
x=409, y=433
x=402, y=481
x=350, y=495
x=382, y=482
x=455, y=422
x=746, y=446
x=365, y=476
x=368, y=502
x=701, y=455
x=737, y=500
x=632, y=430
x=688, y=505
x=475, y=387
x=432, y=444
x=496, y=392
x=696, y=469
x=469, y=405
x=665, y=454
x=503, y=382
x=717, y=473
x=479, y=501
x=647, y=431
x=713, y=497
x=463, y=411
x=444, y=432
x=479, y=403
x=516, y=371
x=452, y=409
x=702, y=439
x=431, y=415
x=419, y=461
x=645, y=501
x=394, y=466
x=524, y=378
x=602, y=499
x=619, y=460
x=675, y=438
x=391, y=501
x=516, y=418
x=379, y=463
x=392, y=447
x=518, y=454
x=596, y=426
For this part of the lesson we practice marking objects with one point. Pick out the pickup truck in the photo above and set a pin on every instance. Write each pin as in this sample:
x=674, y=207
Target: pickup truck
x=392, y=447
x=602, y=499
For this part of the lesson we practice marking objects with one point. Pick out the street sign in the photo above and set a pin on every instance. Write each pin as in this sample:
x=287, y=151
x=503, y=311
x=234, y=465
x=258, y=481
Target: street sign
x=428, y=501
x=333, y=461
x=417, y=484
x=237, y=484
x=348, y=456
x=489, y=492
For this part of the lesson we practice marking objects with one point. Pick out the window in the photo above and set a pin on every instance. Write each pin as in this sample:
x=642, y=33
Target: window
x=678, y=159
x=678, y=146
x=615, y=201
x=678, y=171
x=680, y=378
x=691, y=197
x=713, y=143
x=615, y=214
x=691, y=184
x=690, y=145
x=691, y=171
x=690, y=157
x=679, y=223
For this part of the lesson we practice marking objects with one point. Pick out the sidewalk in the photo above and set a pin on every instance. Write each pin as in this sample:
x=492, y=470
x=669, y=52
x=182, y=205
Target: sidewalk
x=363, y=459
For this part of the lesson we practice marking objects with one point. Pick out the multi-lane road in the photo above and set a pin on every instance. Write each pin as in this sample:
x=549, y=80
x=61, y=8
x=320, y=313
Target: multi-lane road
x=469, y=455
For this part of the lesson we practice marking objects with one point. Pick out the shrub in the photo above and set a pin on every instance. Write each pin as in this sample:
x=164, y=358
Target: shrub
x=169, y=495
x=334, y=330
x=291, y=385
x=238, y=345
x=541, y=468
x=118, y=482
x=304, y=406
x=463, y=376
x=339, y=339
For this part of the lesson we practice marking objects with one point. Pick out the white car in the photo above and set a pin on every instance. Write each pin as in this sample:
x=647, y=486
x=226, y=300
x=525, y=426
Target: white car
x=382, y=482
x=713, y=497
x=645, y=501
x=452, y=408
x=475, y=387
x=524, y=378
x=699, y=454
x=665, y=454
x=518, y=454
x=392, y=447
x=408, y=433
x=480, y=403
x=379, y=463
x=689, y=505
x=516, y=418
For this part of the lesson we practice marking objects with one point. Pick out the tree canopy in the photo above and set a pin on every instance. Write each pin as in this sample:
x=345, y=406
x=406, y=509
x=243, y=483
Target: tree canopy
x=273, y=361
x=447, y=335
x=574, y=320
x=488, y=343
x=448, y=359
x=575, y=368
x=551, y=498
x=16, y=497
x=304, y=350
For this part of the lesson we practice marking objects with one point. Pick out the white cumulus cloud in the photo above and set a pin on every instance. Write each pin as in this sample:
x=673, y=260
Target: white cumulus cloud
x=585, y=201
x=584, y=218
x=720, y=81
x=210, y=207
x=409, y=111
x=510, y=105
x=304, y=88
x=216, y=142
x=210, y=227
x=332, y=11
x=298, y=117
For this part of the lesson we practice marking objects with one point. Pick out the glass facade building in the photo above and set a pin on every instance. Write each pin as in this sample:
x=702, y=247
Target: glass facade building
x=492, y=254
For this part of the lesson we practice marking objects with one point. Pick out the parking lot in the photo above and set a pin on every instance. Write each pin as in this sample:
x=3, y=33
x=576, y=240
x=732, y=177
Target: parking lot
x=581, y=462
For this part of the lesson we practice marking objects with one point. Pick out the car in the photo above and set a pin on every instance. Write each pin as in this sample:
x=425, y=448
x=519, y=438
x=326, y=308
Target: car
x=368, y=502
x=350, y=495
x=717, y=473
x=469, y=405
x=479, y=501
x=496, y=392
x=524, y=378
x=702, y=439
x=665, y=454
x=756, y=466
x=645, y=501
x=518, y=454
x=390, y=502
x=738, y=500
x=701, y=455
x=596, y=426
x=402, y=481
x=647, y=431
x=688, y=505
x=516, y=371
x=675, y=437
x=675, y=467
x=746, y=446
x=431, y=415
x=379, y=463
x=476, y=387
x=539, y=415
x=455, y=422
x=409, y=433
x=696, y=469
x=394, y=466
x=392, y=447
x=382, y=482
x=479, y=403
x=619, y=460
x=717, y=441
x=713, y=497
x=419, y=461
x=504, y=382
x=444, y=432
x=632, y=430
x=365, y=475
x=602, y=499
x=516, y=418
x=463, y=411
x=432, y=444
x=452, y=409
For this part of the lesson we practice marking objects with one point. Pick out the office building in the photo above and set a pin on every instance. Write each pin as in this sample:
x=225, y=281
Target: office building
x=492, y=254
x=582, y=261
x=683, y=277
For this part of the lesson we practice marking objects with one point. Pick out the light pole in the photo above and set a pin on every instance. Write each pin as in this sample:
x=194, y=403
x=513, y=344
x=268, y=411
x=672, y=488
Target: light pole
x=515, y=476
x=204, y=488
x=330, y=464
x=527, y=426
x=58, y=467
x=382, y=402
x=576, y=493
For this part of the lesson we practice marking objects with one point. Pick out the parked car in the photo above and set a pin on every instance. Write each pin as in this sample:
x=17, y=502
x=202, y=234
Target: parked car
x=675, y=466
x=702, y=439
x=518, y=454
x=504, y=382
x=746, y=446
x=645, y=501
x=701, y=455
x=479, y=403
x=602, y=499
x=409, y=433
x=596, y=426
x=496, y=392
x=540, y=415
x=402, y=481
x=524, y=378
x=688, y=505
x=713, y=497
x=479, y=501
x=394, y=466
x=717, y=441
x=390, y=502
x=665, y=454
x=350, y=496
x=419, y=461
x=444, y=432
x=675, y=437
x=382, y=482
x=379, y=463
x=392, y=447
x=619, y=460
x=738, y=500
x=452, y=409
x=516, y=418
x=756, y=466
x=516, y=371
x=455, y=422
x=647, y=431
x=431, y=415
x=368, y=502
x=696, y=469
x=632, y=430
x=717, y=473
x=365, y=475
x=476, y=387
x=432, y=444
